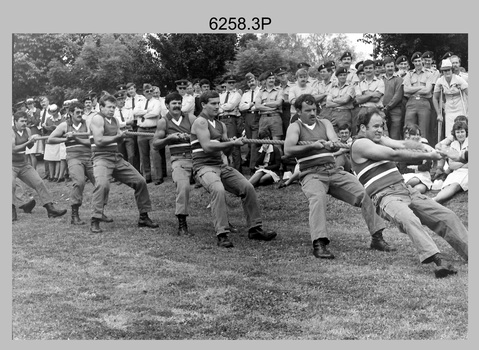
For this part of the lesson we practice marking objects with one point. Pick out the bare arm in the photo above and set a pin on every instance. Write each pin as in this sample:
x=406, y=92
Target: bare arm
x=97, y=129
x=200, y=128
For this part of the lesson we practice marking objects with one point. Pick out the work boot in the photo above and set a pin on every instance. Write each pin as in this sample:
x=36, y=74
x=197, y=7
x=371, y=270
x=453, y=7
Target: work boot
x=183, y=226
x=223, y=240
x=95, y=226
x=76, y=216
x=443, y=269
x=258, y=234
x=28, y=207
x=320, y=249
x=53, y=212
x=145, y=221
x=14, y=213
x=378, y=243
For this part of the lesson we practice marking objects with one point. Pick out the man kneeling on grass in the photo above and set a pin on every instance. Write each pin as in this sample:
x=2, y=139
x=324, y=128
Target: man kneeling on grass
x=208, y=140
x=373, y=158
x=320, y=176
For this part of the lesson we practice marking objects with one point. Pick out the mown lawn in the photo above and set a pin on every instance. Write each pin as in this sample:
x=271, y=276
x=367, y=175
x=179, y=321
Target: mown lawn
x=132, y=283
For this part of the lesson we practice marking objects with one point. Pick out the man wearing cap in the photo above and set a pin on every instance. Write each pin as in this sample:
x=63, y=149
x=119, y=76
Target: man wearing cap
x=269, y=104
x=340, y=100
x=251, y=118
x=231, y=117
x=52, y=151
x=346, y=60
x=324, y=86
x=418, y=84
x=369, y=92
x=122, y=116
x=208, y=141
x=78, y=151
x=33, y=123
x=188, y=100
x=205, y=85
x=21, y=139
x=427, y=58
x=108, y=163
x=379, y=68
x=282, y=76
x=174, y=131
x=306, y=66
x=147, y=113
x=320, y=176
x=402, y=65
x=392, y=99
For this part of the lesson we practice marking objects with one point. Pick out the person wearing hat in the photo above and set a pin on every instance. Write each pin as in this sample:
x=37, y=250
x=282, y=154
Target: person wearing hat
x=402, y=66
x=369, y=92
x=52, y=151
x=285, y=85
x=379, y=68
x=302, y=87
x=22, y=139
x=174, y=131
x=108, y=163
x=78, y=151
x=392, y=99
x=251, y=118
x=188, y=100
x=33, y=123
x=452, y=89
x=208, y=141
x=320, y=176
x=418, y=85
x=204, y=85
x=324, y=86
x=231, y=117
x=427, y=58
x=340, y=100
x=269, y=103
x=123, y=116
x=306, y=66
x=346, y=60
x=147, y=113
x=20, y=106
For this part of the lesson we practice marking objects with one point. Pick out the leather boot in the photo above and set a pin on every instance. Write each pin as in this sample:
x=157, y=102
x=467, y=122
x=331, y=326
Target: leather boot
x=28, y=207
x=320, y=249
x=76, y=216
x=145, y=221
x=53, y=212
x=378, y=243
x=14, y=213
x=183, y=226
x=95, y=226
x=443, y=269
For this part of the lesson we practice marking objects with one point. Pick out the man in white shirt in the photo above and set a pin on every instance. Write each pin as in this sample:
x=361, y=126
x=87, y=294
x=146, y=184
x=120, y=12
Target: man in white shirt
x=188, y=104
x=231, y=116
x=147, y=113
x=163, y=113
x=132, y=99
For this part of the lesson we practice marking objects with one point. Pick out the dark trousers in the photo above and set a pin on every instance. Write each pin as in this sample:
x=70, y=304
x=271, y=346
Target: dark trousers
x=251, y=127
x=234, y=127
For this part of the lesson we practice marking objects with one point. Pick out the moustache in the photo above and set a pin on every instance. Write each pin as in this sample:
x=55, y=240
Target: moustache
x=177, y=108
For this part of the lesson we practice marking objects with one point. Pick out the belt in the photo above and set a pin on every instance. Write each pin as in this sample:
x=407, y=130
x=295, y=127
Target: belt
x=418, y=98
x=147, y=128
x=269, y=114
x=228, y=116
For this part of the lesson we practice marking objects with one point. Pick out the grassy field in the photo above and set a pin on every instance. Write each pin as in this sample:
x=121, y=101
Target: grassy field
x=136, y=283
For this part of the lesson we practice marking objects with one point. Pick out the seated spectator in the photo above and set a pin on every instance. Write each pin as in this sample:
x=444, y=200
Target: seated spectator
x=458, y=177
x=267, y=164
x=342, y=156
x=416, y=174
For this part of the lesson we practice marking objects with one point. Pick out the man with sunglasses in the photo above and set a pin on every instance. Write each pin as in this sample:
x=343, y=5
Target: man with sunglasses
x=188, y=104
x=147, y=113
x=231, y=117
x=78, y=151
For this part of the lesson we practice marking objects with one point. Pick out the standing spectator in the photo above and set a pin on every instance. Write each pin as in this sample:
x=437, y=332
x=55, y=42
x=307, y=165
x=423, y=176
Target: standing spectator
x=204, y=85
x=346, y=60
x=147, y=113
x=282, y=75
x=188, y=100
x=52, y=151
x=132, y=100
x=340, y=100
x=418, y=85
x=45, y=104
x=302, y=87
x=89, y=112
x=456, y=67
x=324, y=86
x=392, y=100
x=231, y=117
x=269, y=104
x=452, y=89
x=34, y=124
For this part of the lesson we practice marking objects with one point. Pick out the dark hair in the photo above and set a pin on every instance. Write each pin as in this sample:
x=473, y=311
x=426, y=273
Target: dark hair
x=306, y=98
x=364, y=117
x=204, y=81
x=20, y=114
x=174, y=96
x=265, y=134
x=458, y=126
x=388, y=59
x=412, y=128
x=205, y=96
x=461, y=118
x=106, y=98
x=74, y=105
x=344, y=126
